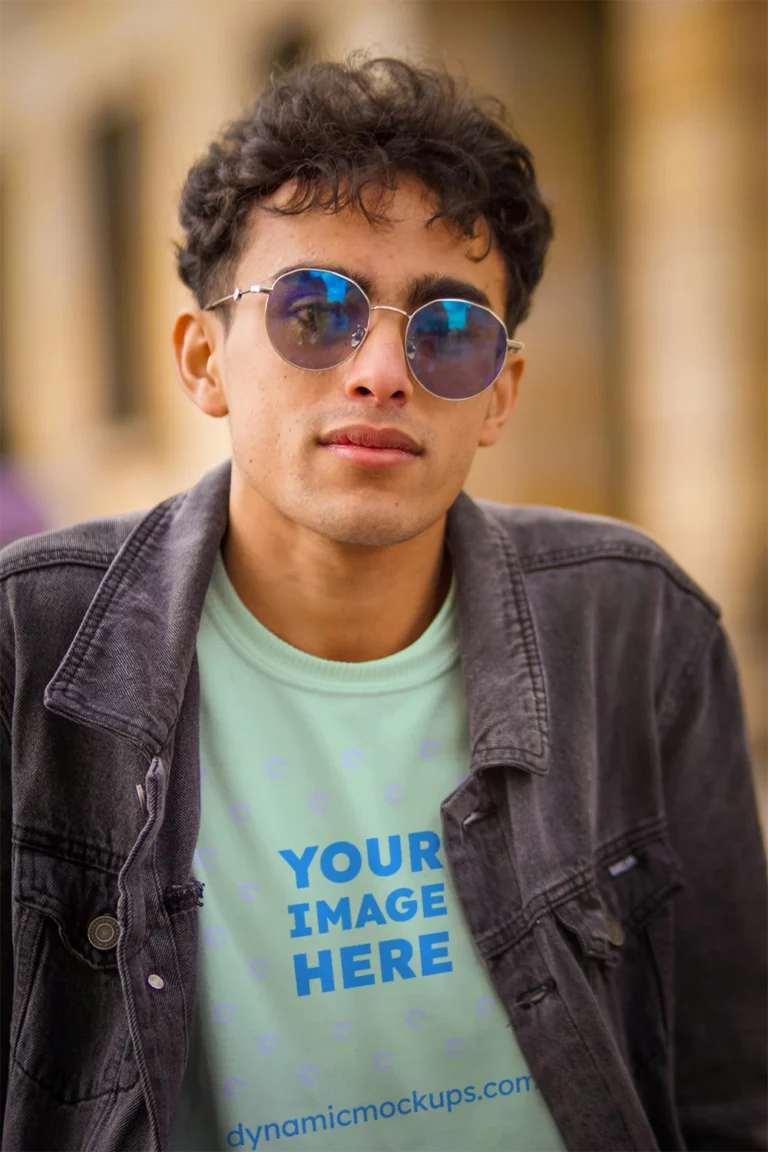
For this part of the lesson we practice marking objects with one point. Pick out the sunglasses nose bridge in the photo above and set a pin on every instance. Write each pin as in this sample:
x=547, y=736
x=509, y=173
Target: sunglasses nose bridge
x=362, y=331
x=381, y=374
x=389, y=308
x=384, y=308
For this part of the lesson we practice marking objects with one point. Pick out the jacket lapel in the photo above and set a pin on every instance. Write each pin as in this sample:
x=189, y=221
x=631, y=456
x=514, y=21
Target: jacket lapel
x=501, y=665
x=127, y=668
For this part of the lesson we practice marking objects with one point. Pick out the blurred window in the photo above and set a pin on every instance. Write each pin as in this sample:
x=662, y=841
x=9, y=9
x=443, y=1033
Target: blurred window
x=117, y=164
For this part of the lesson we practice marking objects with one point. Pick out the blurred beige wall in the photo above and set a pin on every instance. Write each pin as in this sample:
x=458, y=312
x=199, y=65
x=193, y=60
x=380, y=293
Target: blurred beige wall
x=690, y=85
x=644, y=395
x=544, y=60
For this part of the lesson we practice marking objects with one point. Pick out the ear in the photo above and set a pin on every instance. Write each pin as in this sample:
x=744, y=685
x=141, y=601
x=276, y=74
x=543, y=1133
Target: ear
x=197, y=346
x=502, y=401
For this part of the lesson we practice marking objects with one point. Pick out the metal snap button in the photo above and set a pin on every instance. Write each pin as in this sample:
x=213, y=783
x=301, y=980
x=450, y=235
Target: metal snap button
x=104, y=932
x=535, y=995
x=478, y=814
x=155, y=981
x=614, y=931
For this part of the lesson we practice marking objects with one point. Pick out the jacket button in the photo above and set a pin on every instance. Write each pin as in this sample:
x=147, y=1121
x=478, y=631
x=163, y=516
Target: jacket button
x=103, y=932
x=614, y=931
x=478, y=814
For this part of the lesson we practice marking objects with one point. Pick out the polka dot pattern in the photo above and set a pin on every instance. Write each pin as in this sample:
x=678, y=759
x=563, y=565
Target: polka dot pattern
x=319, y=802
x=328, y=803
x=353, y=759
x=258, y=968
x=394, y=793
x=276, y=767
x=249, y=891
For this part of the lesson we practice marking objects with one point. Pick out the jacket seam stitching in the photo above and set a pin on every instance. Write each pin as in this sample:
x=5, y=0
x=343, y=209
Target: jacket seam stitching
x=57, y=1097
x=46, y=913
x=534, y=562
x=24, y=838
x=52, y=559
x=562, y=891
x=104, y=1112
x=125, y=967
x=480, y=756
x=643, y=833
x=142, y=536
x=5, y=713
x=595, y=547
x=516, y=589
x=595, y=1065
x=165, y=915
x=30, y=933
x=507, y=935
x=142, y=739
x=95, y=714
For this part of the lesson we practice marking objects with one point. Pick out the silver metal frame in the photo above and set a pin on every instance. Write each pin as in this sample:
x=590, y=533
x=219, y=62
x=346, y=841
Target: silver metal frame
x=259, y=289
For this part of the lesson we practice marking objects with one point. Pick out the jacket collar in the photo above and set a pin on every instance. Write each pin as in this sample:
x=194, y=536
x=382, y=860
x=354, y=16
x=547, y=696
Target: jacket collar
x=127, y=668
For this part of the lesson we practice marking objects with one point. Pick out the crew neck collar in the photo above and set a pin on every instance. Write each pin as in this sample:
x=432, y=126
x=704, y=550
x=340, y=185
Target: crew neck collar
x=428, y=657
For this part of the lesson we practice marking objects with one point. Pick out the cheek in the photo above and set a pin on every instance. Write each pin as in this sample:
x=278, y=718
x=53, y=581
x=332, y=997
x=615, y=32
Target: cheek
x=460, y=437
x=266, y=417
x=251, y=415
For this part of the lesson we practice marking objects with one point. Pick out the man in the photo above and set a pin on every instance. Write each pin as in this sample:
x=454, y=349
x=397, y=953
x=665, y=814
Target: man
x=454, y=796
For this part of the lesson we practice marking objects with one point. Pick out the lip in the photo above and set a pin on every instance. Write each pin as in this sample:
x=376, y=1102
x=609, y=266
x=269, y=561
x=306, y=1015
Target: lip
x=371, y=440
x=375, y=458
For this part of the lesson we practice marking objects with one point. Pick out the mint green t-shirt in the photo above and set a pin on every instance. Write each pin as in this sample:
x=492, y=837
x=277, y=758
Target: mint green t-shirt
x=341, y=1002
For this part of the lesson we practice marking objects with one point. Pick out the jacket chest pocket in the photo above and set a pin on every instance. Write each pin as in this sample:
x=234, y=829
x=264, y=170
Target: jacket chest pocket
x=68, y=1031
x=621, y=931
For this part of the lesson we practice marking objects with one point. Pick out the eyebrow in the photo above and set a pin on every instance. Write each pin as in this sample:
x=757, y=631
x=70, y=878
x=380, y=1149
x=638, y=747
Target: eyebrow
x=422, y=289
x=365, y=282
x=419, y=289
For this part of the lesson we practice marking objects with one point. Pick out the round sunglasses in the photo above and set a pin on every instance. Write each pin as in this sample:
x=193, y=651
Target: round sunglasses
x=317, y=320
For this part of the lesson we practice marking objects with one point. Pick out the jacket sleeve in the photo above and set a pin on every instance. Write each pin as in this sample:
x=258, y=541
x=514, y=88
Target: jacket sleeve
x=6, y=949
x=721, y=935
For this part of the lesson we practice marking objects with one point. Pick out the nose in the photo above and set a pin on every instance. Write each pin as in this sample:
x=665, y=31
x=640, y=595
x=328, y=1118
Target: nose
x=379, y=368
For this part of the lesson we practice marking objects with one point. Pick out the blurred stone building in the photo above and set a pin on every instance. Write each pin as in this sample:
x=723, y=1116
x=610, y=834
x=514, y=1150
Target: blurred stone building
x=644, y=395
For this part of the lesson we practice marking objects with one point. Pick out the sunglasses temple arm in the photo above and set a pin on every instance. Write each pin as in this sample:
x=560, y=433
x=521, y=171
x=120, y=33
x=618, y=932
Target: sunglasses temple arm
x=515, y=346
x=236, y=295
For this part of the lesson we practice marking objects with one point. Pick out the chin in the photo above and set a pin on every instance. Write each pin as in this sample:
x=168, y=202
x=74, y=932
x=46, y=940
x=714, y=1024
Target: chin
x=371, y=527
x=367, y=533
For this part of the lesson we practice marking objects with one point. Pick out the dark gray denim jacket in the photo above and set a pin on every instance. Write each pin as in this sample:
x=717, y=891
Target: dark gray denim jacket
x=605, y=846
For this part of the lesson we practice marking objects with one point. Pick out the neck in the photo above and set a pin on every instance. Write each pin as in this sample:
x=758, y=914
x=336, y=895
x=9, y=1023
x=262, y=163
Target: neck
x=336, y=601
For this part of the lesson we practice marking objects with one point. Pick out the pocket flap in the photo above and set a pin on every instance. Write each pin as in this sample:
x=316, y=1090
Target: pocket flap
x=71, y=894
x=586, y=918
x=636, y=880
x=632, y=883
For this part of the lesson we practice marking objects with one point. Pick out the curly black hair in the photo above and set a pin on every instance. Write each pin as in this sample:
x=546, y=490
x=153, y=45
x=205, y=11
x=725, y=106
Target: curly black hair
x=344, y=133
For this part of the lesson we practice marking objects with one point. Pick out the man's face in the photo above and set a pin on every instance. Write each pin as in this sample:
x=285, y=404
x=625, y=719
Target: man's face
x=280, y=416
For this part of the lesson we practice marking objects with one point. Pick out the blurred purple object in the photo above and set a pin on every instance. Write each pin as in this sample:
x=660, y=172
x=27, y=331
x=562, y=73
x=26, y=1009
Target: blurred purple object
x=20, y=513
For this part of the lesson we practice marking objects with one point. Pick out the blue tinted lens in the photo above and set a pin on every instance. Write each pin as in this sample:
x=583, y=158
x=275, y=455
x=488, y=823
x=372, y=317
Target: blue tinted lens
x=316, y=319
x=455, y=349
